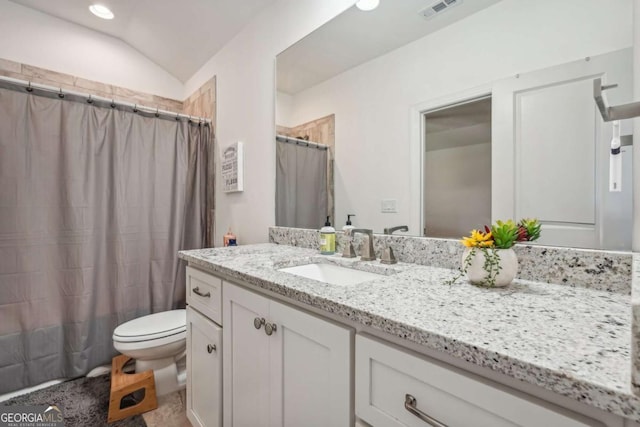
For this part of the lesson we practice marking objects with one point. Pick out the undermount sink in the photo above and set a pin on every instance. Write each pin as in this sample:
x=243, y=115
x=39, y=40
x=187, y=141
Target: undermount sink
x=332, y=274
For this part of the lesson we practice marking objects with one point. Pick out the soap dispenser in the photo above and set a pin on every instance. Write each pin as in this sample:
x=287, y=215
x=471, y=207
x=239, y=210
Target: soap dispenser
x=327, y=239
x=348, y=225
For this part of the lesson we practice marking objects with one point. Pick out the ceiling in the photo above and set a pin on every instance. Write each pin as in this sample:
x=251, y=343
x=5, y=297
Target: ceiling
x=178, y=36
x=459, y=125
x=355, y=37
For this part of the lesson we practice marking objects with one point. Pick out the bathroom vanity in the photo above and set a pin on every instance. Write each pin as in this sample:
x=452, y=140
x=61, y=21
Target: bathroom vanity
x=400, y=348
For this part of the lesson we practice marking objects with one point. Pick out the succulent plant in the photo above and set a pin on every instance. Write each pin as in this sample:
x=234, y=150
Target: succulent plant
x=501, y=235
x=532, y=228
x=504, y=234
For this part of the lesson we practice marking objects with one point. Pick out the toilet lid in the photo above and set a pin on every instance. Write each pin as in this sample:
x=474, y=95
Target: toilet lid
x=153, y=326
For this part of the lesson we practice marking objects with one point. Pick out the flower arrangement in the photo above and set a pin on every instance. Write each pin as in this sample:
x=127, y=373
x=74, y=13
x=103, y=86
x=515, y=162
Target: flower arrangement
x=501, y=235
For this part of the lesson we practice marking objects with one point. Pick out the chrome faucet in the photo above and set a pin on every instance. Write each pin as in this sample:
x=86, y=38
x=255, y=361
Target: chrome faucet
x=368, y=253
x=387, y=255
x=392, y=230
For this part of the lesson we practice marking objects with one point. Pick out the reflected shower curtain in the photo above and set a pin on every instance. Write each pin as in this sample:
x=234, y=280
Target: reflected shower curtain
x=301, y=186
x=94, y=204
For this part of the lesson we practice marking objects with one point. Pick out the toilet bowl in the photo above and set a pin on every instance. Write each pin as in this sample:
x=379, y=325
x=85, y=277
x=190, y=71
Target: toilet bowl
x=157, y=342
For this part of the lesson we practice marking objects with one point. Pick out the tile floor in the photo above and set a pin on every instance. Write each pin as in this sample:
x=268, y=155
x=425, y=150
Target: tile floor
x=171, y=411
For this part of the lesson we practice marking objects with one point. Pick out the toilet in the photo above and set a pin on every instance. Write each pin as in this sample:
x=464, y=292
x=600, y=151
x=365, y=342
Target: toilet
x=157, y=342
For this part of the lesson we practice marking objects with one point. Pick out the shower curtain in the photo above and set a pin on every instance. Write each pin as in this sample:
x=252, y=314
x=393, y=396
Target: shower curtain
x=301, y=186
x=94, y=204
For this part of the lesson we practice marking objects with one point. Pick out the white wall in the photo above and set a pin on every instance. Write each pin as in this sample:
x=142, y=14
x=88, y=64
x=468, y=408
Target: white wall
x=373, y=102
x=449, y=191
x=34, y=38
x=245, y=77
x=284, y=110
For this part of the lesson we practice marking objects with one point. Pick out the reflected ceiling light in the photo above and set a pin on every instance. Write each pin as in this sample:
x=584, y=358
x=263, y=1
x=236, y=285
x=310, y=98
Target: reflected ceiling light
x=101, y=11
x=367, y=4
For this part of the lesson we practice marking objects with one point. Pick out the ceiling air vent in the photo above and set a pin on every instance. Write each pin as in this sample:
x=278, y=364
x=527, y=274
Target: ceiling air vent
x=438, y=7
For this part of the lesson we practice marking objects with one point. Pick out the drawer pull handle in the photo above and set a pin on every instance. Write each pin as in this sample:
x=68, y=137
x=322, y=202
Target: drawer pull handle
x=258, y=322
x=196, y=291
x=270, y=328
x=411, y=405
x=211, y=348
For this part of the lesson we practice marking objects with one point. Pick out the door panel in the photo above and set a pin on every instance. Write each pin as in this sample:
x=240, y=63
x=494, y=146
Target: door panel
x=565, y=148
x=549, y=155
x=246, y=359
x=311, y=370
x=204, y=371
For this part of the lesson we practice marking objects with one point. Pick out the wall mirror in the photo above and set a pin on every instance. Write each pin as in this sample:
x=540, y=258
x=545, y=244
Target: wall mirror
x=447, y=115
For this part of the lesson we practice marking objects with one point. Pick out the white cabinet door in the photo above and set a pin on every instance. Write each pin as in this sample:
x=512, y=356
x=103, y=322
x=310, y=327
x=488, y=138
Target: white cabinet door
x=549, y=153
x=204, y=371
x=310, y=370
x=293, y=370
x=245, y=358
x=395, y=389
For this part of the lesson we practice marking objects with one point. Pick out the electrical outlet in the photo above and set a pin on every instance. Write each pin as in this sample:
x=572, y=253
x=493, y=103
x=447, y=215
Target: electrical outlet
x=388, y=206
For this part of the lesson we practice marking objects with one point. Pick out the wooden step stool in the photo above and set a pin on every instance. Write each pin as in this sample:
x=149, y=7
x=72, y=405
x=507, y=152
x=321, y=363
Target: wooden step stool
x=123, y=384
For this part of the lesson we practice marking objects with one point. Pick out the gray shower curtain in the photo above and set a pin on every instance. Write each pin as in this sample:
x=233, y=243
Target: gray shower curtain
x=94, y=204
x=301, y=186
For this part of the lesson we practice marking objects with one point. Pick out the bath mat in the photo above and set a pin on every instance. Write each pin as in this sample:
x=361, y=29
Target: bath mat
x=84, y=401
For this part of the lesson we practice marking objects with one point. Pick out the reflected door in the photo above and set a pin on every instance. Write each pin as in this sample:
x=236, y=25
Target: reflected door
x=457, y=168
x=550, y=154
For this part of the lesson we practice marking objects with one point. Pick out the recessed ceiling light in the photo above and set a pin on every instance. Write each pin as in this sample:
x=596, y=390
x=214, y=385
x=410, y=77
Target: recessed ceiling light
x=101, y=11
x=367, y=4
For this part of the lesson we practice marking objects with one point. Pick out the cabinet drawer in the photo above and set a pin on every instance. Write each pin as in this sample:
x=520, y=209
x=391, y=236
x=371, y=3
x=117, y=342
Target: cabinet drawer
x=386, y=377
x=204, y=293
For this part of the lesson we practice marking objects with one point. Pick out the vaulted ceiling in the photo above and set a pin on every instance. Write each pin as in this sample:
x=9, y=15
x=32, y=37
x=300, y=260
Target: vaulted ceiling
x=356, y=37
x=180, y=36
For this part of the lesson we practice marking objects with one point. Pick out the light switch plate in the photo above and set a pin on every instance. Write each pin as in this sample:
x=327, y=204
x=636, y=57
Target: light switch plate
x=389, y=206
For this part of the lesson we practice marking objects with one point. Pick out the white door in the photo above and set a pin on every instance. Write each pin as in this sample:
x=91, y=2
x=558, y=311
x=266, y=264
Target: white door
x=310, y=370
x=204, y=371
x=549, y=155
x=245, y=358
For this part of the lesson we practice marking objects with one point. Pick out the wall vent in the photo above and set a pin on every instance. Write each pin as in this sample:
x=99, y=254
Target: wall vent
x=438, y=7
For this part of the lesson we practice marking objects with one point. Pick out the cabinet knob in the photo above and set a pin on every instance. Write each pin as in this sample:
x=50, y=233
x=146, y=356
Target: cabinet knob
x=211, y=348
x=258, y=322
x=270, y=328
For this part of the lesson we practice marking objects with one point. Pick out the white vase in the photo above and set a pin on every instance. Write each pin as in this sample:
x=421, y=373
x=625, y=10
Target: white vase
x=478, y=276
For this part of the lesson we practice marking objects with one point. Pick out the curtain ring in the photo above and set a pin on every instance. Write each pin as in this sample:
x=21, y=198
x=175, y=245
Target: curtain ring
x=29, y=88
x=157, y=112
x=89, y=101
x=177, y=117
x=135, y=108
x=60, y=95
x=113, y=104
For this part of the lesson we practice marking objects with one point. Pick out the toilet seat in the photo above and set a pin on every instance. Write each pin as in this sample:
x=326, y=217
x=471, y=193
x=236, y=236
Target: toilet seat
x=160, y=328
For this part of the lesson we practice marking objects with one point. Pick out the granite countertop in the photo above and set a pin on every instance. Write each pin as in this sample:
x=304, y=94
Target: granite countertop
x=571, y=340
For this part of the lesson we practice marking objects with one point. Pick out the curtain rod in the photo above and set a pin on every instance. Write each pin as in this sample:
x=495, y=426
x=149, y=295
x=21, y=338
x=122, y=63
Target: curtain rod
x=90, y=98
x=299, y=141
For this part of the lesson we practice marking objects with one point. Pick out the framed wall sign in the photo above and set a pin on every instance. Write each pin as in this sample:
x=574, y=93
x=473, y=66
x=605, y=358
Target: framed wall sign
x=232, y=168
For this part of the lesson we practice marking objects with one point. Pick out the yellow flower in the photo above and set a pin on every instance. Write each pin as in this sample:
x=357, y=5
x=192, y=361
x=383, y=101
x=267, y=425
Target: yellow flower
x=478, y=239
